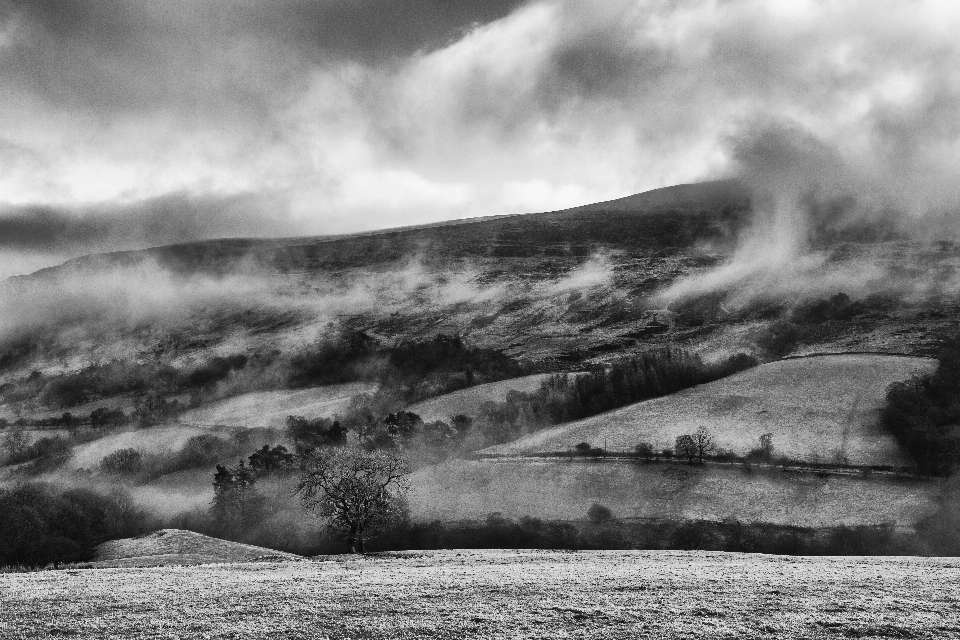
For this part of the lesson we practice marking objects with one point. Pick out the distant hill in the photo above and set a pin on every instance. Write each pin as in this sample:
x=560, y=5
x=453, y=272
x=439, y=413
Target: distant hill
x=671, y=216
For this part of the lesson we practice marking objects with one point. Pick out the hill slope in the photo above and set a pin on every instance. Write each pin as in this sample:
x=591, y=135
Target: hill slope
x=468, y=401
x=271, y=408
x=819, y=408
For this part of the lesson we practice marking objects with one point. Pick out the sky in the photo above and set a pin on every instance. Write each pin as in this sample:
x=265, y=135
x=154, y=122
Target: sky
x=133, y=123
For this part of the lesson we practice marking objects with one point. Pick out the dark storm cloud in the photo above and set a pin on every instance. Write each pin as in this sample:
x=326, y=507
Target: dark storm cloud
x=121, y=54
x=165, y=220
x=363, y=114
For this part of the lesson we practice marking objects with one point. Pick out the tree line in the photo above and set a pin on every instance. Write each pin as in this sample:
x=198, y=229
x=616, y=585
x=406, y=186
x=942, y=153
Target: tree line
x=923, y=414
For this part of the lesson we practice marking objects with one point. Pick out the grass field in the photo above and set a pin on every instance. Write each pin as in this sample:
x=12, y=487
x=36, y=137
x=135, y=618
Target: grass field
x=469, y=401
x=818, y=409
x=564, y=490
x=271, y=408
x=496, y=594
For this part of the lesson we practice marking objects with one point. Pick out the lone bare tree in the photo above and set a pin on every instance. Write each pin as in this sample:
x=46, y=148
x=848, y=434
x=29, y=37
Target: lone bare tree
x=355, y=489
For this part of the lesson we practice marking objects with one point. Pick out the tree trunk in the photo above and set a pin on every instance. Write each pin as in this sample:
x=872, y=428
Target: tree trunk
x=353, y=540
x=360, y=540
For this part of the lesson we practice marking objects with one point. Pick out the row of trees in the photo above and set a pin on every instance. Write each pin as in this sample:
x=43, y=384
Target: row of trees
x=923, y=414
x=694, y=446
x=567, y=397
x=42, y=524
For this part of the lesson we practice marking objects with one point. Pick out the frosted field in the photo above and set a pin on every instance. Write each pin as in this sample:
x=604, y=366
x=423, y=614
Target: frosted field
x=564, y=490
x=469, y=401
x=496, y=594
x=271, y=408
x=813, y=406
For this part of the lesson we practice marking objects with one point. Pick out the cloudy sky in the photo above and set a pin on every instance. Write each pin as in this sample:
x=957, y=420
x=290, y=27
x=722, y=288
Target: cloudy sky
x=130, y=123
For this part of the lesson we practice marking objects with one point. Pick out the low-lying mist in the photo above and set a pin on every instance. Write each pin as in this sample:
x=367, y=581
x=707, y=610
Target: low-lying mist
x=68, y=318
x=815, y=211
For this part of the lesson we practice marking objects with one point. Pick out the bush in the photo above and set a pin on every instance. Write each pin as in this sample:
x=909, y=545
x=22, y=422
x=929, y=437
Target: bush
x=122, y=462
x=923, y=414
x=599, y=514
x=42, y=524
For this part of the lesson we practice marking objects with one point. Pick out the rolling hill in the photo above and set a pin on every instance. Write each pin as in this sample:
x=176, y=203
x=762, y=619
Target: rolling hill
x=269, y=409
x=468, y=401
x=819, y=409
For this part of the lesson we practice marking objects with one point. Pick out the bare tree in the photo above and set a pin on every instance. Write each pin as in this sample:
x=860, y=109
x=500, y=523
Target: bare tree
x=356, y=489
x=703, y=443
x=766, y=446
x=686, y=448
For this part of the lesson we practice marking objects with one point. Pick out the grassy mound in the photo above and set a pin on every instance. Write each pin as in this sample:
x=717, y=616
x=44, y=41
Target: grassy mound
x=175, y=546
x=819, y=409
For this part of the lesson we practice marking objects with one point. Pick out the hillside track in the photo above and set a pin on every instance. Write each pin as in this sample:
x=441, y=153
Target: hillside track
x=497, y=594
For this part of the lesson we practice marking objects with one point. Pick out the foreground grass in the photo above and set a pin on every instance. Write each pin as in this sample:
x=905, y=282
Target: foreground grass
x=495, y=594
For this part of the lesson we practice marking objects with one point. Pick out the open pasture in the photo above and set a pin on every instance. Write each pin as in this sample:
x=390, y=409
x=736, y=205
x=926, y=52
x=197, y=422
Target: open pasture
x=555, y=489
x=496, y=594
x=819, y=409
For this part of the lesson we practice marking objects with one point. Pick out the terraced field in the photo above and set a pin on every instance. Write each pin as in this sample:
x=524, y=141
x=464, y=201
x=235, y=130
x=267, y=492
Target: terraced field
x=497, y=594
x=819, y=409
x=564, y=490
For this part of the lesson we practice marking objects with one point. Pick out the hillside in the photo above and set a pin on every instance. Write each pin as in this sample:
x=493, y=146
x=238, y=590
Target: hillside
x=497, y=594
x=819, y=409
x=269, y=409
x=468, y=401
x=155, y=439
x=177, y=547
x=564, y=490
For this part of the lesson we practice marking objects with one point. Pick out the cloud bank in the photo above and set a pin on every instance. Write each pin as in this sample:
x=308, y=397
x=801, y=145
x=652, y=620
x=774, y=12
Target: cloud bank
x=326, y=116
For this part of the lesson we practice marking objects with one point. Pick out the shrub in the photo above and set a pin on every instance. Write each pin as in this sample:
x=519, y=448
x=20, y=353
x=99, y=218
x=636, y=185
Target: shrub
x=599, y=514
x=583, y=448
x=122, y=462
x=644, y=450
x=42, y=524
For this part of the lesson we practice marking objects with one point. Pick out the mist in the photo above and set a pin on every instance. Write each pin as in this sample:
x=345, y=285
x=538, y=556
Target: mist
x=326, y=118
